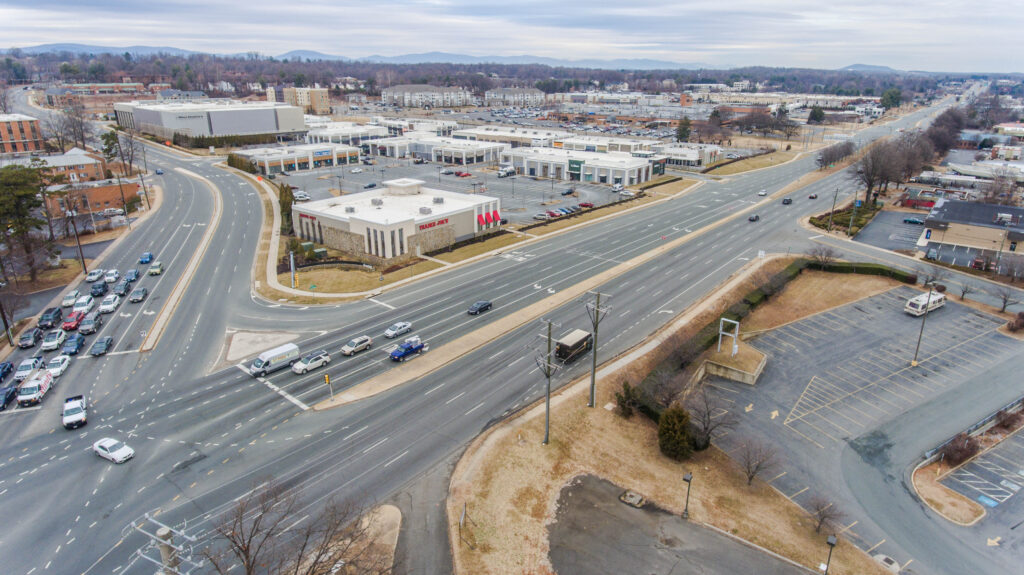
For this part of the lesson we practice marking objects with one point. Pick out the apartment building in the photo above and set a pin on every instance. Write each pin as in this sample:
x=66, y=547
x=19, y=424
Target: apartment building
x=20, y=134
x=519, y=97
x=312, y=100
x=426, y=96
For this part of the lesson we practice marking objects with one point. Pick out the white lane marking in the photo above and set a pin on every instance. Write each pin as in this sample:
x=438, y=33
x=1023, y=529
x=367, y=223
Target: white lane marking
x=355, y=433
x=277, y=389
x=389, y=306
x=433, y=389
x=367, y=450
x=474, y=408
x=454, y=398
x=397, y=458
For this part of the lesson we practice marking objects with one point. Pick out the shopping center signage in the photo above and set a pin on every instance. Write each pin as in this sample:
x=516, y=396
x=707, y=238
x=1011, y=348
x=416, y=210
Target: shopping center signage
x=427, y=226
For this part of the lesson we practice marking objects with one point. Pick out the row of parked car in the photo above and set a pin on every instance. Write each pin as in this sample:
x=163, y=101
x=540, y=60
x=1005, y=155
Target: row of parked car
x=555, y=213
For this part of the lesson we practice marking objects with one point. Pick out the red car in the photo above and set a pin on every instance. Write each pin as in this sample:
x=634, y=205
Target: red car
x=72, y=322
x=554, y=214
x=463, y=174
x=585, y=205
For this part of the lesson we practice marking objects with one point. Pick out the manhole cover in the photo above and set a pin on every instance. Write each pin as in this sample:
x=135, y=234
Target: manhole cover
x=632, y=498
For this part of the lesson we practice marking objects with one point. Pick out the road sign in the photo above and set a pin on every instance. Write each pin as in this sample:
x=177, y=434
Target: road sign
x=858, y=203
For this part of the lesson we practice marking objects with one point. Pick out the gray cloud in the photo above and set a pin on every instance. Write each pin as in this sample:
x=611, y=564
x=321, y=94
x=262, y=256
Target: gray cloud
x=954, y=35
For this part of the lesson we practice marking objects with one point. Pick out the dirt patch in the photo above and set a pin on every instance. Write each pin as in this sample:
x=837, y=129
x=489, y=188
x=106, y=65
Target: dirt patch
x=813, y=292
x=946, y=502
x=747, y=359
x=755, y=163
x=507, y=474
x=243, y=344
x=94, y=238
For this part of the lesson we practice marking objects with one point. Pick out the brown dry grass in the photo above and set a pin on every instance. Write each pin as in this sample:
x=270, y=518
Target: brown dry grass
x=103, y=236
x=747, y=359
x=466, y=252
x=511, y=482
x=943, y=500
x=334, y=280
x=813, y=292
x=53, y=277
x=755, y=163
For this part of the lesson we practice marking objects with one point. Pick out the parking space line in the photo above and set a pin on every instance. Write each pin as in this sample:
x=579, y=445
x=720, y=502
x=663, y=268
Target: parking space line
x=798, y=493
x=875, y=546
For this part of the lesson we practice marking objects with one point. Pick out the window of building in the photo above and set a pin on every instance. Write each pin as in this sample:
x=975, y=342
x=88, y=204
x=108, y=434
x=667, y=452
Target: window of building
x=393, y=254
x=401, y=241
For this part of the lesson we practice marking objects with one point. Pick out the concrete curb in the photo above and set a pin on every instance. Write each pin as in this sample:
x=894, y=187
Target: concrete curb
x=183, y=282
x=753, y=545
x=913, y=485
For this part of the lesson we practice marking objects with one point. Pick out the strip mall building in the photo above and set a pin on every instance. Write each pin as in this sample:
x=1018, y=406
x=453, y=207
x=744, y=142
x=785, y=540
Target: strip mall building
x=400, y=220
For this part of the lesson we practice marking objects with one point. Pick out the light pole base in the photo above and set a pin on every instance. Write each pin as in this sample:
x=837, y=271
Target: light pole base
x=913, y=363
x=686, y=514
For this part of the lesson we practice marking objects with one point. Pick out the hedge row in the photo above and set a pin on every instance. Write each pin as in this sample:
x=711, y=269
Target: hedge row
x=865, y=269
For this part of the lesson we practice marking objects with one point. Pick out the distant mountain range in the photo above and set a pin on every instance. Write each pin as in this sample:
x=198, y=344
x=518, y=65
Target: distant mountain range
x=427, y=57
x=431, y=57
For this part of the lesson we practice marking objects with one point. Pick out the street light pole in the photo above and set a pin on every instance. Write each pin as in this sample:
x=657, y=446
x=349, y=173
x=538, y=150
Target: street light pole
x=831, y=545
x=924, y=318
x=688, y=478
x=835, y=196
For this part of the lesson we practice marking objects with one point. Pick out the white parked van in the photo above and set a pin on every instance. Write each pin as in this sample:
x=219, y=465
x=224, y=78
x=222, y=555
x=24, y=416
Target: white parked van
x=917, y=305
x=272, y=360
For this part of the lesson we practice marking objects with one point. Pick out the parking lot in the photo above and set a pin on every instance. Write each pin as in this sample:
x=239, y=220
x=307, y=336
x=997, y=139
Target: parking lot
x=887, y=230
x=521, y=196
x=994, y=478
x=834, y=376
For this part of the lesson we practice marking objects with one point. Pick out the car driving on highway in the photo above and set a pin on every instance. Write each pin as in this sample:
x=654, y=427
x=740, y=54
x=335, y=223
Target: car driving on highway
x=110, y=303
x=53, y=340
x=156, y=269
x=138, y=294
x=311, y=361
x=357, y=344
x=479, y=307
x=101, y=346
x=30, y=338
x=146, y=257
x=397, y=329
x=70, y=298
x=95, y=275
x=113, y=450
x=58, y=365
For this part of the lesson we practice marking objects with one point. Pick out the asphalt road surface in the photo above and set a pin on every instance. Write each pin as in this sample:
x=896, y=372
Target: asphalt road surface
x=206, y=433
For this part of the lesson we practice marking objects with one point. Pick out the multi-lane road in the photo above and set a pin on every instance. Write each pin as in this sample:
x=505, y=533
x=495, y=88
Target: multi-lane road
x=204, y=432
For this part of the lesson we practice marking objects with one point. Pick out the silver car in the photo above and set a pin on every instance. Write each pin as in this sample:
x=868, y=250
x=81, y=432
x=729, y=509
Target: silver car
x=398, y=329
x=311, y=361
x=357, y=344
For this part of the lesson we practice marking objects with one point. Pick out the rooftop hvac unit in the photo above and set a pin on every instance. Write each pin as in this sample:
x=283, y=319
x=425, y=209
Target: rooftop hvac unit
x=425, y=210
x=350, y=209
x=377, y=201
x=438, y=200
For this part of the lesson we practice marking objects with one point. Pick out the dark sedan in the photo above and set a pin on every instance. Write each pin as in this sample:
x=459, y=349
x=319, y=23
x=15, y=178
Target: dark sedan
x=479, y=307
x=138, y=294
x=6, y=368
x=30, y=338
x=122, y=288
x=131, y=275
x=102, y=346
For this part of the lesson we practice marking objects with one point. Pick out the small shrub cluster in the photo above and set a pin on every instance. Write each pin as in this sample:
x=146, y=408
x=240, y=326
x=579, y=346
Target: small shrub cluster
x=1009, y=420
x=960, y=449
x=1017, y=323
x=841, y=218
x=241, y=163
x=674, y=437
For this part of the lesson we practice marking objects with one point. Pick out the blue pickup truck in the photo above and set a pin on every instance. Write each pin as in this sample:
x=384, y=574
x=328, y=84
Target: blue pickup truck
x=410, y=346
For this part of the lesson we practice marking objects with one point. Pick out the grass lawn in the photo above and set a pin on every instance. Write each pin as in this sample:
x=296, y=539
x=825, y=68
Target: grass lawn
x=466, y=252
x=755, y=163
x=333, y=280
x=510, y=482
x=51, y=278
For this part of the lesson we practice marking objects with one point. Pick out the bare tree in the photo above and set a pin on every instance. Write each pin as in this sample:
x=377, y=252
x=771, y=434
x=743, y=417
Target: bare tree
x=56, y=127
x=664, y=385
x=268, y=532
x=823, y=255
x=871, y=169
x=823, y=512
x=707, y=415
x=5, y=99
x=931, y=274
x=1007, y=297
x=78, y=124
x=966, y=287
x=756, y=458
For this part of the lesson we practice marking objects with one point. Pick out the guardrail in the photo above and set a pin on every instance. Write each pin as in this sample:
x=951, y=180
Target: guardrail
x=978, y=427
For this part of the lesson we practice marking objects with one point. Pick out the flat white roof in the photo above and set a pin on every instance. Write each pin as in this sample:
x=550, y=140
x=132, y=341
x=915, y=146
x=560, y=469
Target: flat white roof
x=345, y=128
x=401, y=201
x=206, y=105
x=292, y=151
x=15, y=118
x=596, y=159
x=515, y=131
x=609, y=140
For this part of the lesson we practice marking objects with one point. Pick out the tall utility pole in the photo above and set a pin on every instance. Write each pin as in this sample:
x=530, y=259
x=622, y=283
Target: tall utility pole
x=835, y=197
x=81, y=256
x=547, y=367
x=596, y=314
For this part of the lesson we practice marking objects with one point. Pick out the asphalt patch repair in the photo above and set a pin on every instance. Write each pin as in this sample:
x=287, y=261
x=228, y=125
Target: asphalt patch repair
x=594, y=532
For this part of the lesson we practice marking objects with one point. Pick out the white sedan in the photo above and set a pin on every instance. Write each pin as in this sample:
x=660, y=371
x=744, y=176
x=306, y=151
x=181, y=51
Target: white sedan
x=54, y=340
x=398, y=329
x=110, y=303
x=356, y=171
x=763, y=193
x=95, y=275
x=112, y=449
x=58, y=365
x=70, y=298
x=84, y=304
x=111, y=276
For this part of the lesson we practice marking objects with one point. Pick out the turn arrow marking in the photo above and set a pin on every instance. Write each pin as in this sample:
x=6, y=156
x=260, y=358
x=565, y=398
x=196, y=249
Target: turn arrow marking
x=749, y=408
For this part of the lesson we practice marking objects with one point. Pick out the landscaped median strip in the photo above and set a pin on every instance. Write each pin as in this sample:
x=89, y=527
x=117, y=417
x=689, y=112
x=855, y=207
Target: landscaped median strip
x=439, y=357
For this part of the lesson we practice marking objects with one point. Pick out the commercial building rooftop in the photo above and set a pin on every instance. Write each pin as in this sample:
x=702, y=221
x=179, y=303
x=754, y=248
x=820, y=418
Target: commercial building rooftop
x=398, y=200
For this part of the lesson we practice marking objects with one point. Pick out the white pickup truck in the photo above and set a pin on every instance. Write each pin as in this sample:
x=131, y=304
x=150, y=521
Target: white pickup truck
x=75, y=412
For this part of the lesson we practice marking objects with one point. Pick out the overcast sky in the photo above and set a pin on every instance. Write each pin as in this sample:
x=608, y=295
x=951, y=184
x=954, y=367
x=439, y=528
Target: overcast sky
x=936, y=35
